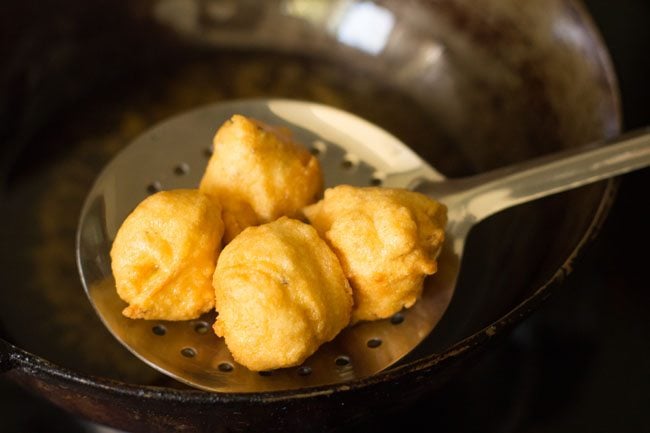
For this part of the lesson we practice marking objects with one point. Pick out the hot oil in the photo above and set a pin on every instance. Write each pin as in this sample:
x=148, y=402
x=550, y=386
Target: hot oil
x=47, y=311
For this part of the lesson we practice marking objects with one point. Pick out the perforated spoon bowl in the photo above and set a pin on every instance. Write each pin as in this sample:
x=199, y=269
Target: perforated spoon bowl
x=352, y=151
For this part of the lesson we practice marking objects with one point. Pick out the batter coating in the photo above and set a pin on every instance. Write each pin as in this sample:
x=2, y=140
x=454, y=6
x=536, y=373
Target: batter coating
x=259, y=173
x=280, y=293
x=387, y=241
x=165, y=253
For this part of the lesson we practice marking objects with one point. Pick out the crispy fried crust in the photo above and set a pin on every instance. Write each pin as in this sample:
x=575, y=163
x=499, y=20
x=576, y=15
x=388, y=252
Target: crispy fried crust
x=259, y=173
x=280, y=293
x=387, y=241
x=165, y=253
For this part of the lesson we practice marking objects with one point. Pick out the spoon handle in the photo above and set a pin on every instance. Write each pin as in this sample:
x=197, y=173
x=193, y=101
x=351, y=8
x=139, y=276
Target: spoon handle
x=480, y=196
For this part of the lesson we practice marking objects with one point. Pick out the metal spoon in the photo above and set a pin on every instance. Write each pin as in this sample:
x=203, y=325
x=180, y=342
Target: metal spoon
x=352, y=151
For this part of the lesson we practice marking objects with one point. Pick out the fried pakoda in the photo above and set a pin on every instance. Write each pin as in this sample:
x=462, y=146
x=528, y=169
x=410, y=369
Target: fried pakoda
x=259, y=173
x=165, y=253
x=280, y=293
x=387, y=241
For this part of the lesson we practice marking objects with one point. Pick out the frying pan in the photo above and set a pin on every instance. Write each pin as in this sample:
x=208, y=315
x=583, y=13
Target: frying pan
x=469, y=87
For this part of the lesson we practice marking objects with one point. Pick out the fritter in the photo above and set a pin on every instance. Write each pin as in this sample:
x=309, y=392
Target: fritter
x=387, y=241
x=259, y=173
x=280, y=293
x=165, y=253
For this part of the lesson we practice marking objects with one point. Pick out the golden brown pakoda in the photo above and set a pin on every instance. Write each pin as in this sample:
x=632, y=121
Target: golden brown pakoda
x=259, y=173
x=387, y=240
x=165, y=253
x=281, y=293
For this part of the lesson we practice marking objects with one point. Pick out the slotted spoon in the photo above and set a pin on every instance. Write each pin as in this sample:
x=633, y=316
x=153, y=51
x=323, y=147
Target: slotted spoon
x=352, y=151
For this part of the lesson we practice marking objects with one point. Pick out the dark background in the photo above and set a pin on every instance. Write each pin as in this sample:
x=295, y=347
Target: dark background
x=582, y=362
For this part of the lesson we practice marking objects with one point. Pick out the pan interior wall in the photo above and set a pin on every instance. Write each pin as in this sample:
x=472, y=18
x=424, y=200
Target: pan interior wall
x=43, y=307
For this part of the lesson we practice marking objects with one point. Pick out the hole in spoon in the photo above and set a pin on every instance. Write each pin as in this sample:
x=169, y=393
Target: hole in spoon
x=207, y=152
x=201, y=327
x=318, y=148
x=181, y=169
x=304, y=370
x=225, y=367
x=377, y=178
x=154, y=187
x=374, y=343
x=349, y=162
x=188, y=352
x=397, y=319
x=159, y=330
x=342, y=361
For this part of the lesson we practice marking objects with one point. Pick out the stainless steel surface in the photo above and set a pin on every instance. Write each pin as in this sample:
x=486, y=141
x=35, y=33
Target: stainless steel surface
x=351, y=151
x=472, y=199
